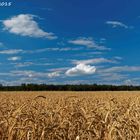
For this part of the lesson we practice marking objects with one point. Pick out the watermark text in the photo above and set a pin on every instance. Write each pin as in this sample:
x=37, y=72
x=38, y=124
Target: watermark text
x=5, y=4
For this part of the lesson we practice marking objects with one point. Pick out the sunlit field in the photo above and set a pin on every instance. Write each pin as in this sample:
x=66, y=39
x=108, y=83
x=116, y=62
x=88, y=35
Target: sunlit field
x=70, y=115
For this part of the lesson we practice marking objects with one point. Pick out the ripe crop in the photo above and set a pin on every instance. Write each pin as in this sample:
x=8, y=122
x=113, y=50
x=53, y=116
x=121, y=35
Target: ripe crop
x=70, y=116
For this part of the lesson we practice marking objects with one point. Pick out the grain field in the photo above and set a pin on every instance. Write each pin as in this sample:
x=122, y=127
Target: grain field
x=70, y=115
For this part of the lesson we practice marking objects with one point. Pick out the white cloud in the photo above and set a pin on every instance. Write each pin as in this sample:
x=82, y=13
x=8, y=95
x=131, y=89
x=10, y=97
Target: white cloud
x=53, y=74
x=58, y=69
x=81, y=69
x=128, y=82
x=94, y=61
x=12, y=51
x=55, y=49
x=28, y=73
x=115, y=24
x=24, y=64
x=28, y=64
x=35, y=74
x=23, y=73
x=118, y=73
x=88, y=42
x=25, y=25
x=17, y=51
x=118, y=58
x=15, y=58
x=123, y=69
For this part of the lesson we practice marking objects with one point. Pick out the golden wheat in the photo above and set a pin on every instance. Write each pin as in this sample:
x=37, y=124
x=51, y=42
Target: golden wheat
x=70, y=116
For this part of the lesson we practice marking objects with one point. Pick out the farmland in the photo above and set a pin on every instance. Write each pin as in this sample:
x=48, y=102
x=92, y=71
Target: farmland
x=70, y=115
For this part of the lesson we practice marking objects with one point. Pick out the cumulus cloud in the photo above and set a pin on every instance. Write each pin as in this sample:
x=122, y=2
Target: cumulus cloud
x=25, y=25
x=115, y=24
x=88, y=42
x=15, y=58
x=81, y=69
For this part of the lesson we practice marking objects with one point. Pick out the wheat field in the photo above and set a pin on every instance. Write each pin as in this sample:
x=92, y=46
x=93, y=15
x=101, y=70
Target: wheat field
x=70, y=115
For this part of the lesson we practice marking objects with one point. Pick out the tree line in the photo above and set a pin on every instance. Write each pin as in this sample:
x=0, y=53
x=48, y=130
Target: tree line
x=80, y=87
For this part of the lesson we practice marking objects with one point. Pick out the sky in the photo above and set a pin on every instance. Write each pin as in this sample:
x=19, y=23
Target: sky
x=70, y=42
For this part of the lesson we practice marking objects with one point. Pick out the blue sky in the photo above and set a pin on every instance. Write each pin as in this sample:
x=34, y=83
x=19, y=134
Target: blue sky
x=70, y=42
